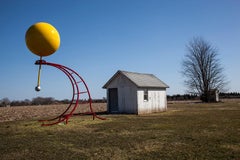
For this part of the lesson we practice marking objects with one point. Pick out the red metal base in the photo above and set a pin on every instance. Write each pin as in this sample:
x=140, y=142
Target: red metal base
x=75, y=79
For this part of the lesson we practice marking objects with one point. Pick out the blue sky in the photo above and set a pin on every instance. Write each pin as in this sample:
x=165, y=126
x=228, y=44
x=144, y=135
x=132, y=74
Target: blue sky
x=99, y=37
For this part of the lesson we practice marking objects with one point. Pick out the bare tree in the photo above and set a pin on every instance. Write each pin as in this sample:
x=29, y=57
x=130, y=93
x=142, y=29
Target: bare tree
x=4, y=102
x=43, y=100
x=202, y=69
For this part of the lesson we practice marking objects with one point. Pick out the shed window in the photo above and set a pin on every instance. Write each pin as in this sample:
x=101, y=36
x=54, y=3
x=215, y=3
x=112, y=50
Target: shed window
x=145, y=95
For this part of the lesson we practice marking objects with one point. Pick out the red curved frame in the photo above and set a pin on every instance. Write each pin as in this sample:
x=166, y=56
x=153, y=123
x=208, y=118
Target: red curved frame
x=72, y=75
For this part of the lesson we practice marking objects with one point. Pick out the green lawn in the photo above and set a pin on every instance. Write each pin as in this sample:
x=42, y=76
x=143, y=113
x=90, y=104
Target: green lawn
x=185, y=131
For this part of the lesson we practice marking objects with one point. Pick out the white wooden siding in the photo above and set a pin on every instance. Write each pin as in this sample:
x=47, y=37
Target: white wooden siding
x=127, y=94
x=127, y=99
x=157, y=101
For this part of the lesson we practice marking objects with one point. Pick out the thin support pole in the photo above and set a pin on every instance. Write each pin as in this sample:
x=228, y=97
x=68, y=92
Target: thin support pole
x=38, y=88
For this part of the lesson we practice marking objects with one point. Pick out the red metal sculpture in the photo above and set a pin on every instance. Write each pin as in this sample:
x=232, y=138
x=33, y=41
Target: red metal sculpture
x=75, y=80
x=43, y=39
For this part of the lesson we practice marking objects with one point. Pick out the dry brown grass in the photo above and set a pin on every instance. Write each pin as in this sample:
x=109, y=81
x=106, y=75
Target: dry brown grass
x=186, y=131
x=41, y=111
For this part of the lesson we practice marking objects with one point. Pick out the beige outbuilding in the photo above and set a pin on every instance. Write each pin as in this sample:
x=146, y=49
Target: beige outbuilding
x=137, y=93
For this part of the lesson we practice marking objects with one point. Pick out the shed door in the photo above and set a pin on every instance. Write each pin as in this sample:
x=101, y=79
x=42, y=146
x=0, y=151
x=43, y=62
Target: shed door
x=113, y=99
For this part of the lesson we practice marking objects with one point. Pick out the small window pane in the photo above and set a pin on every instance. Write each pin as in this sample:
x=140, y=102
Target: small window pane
x=145, y=95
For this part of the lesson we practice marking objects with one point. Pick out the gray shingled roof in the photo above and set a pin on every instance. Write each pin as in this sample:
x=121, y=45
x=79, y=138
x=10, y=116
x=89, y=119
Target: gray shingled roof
x=140, y=79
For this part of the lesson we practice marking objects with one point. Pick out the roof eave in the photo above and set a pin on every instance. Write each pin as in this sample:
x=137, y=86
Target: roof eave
x=153, y=87
x=111, y=79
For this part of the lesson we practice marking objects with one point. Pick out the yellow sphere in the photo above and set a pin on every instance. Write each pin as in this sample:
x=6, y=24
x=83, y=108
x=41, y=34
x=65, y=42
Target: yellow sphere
x=42, y=39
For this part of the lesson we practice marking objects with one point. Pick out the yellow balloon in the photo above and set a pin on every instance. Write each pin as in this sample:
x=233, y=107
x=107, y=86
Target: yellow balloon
x=42, y=39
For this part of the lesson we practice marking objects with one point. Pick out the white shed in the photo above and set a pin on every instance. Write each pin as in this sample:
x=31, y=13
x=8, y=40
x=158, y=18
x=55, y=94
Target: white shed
x=138, y=93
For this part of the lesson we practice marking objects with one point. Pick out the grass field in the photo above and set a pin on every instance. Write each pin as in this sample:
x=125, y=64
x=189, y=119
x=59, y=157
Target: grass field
x=185, y=131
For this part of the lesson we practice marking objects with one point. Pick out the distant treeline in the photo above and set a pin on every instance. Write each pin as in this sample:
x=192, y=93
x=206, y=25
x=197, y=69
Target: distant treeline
x=50, y=100
x=179, y=97
x=229, y=95
x=5, y=102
